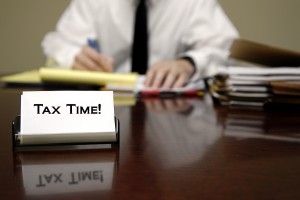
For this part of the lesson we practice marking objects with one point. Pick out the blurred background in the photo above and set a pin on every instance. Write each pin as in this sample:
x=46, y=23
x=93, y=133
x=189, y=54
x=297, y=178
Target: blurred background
x=24, y=24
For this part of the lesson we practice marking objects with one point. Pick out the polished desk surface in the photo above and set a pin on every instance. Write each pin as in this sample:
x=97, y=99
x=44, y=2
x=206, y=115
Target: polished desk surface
x=169, y=149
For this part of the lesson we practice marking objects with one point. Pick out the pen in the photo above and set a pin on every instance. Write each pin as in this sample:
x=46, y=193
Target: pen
x=170, y=94
x=93, y=44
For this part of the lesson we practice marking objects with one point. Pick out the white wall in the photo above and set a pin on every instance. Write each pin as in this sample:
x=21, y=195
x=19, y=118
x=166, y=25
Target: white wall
x=24, y=23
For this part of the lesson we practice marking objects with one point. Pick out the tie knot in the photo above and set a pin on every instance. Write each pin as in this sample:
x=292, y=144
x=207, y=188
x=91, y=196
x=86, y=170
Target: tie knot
x=142, y=1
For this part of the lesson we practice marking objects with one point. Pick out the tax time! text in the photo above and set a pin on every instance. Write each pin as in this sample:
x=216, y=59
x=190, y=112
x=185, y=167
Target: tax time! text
x=42, y=109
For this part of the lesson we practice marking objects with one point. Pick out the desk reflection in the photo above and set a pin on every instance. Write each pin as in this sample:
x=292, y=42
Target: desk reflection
x=276, y=125
x=180, y=131
x=66, y=172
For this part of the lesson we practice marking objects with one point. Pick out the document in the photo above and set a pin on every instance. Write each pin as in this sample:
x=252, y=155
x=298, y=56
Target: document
x=28, y=77
x=256, y=86
x=68, y=76
x=139, y=88
x=58, y=75
x=260, y=71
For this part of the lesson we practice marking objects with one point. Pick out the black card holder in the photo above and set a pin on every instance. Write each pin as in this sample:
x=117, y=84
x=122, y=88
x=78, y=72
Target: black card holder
x=18, y=146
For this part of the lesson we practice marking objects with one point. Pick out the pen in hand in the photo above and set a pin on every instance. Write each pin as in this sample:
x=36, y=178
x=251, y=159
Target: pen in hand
x=93, y=44
x=105, y=62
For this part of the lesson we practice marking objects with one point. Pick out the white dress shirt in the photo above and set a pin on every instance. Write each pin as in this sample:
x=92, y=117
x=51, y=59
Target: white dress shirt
x=195, y=28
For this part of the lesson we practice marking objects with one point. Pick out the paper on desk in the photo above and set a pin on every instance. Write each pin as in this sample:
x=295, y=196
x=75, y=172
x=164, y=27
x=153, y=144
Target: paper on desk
x=68, y=76
x=261, y=71
x=59, y=75
x=23, y=77
x=197, y=85
x=236, y=75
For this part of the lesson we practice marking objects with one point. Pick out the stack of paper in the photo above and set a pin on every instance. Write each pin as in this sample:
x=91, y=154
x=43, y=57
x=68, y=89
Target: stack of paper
x=256, y=86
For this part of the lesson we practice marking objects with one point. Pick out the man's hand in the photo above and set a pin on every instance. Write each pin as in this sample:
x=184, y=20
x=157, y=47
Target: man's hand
x=169, y=74
x=89, y=59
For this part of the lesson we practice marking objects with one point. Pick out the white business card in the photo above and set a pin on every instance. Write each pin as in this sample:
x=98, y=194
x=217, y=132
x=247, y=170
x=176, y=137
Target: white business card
x=64, y=112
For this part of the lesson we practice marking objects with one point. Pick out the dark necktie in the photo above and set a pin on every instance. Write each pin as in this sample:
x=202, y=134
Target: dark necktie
x=140, y=40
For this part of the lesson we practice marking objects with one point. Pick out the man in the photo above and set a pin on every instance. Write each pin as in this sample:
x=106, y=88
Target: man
x=184, y=38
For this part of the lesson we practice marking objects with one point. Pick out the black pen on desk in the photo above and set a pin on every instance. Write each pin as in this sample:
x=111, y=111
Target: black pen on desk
x=93, y=44
x=170, y=94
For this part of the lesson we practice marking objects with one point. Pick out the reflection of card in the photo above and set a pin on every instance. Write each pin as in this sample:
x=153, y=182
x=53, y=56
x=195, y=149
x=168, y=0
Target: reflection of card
x=66, y=178
x=78, y=171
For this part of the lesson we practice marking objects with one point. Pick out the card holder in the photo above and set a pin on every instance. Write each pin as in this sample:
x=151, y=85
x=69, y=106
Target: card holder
x=19, y=145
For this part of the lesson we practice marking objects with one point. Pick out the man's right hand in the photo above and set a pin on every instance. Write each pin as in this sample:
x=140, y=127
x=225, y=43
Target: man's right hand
x=89, y=59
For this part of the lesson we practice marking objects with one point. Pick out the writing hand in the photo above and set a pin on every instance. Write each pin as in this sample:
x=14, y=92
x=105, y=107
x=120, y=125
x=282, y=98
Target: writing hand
x=169, y=74
x=90, y=59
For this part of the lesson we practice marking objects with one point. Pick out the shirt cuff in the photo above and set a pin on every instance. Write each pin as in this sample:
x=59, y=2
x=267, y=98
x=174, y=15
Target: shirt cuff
x=205, y=61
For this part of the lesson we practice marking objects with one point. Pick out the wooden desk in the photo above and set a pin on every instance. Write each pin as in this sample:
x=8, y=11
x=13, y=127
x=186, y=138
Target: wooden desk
x=191, y=154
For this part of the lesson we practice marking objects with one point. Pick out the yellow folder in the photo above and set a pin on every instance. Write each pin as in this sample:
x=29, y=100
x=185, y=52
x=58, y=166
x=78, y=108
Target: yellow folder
x=85, y=77
x=59, y=75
